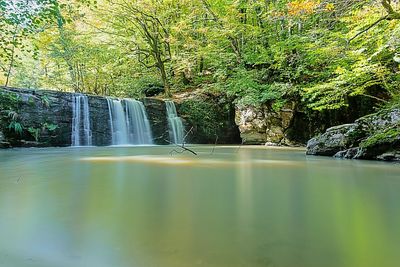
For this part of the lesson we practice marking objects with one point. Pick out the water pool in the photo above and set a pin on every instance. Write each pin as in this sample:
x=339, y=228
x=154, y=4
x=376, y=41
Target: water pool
x=146, y=206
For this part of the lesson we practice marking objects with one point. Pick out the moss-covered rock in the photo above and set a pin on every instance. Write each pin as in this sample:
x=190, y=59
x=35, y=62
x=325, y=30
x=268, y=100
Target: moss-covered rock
x=376, y=136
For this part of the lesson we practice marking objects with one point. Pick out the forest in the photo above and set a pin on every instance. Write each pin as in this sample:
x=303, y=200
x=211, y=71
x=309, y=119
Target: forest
x=254, y=51
x=207, y=133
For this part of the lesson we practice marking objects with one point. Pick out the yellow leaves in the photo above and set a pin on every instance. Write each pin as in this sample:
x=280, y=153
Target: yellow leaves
x=302, y=7
x=307, y=7
x=339, y=70
x=330, y=7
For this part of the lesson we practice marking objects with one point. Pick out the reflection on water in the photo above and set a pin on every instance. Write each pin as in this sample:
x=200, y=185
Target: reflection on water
x=141, y=206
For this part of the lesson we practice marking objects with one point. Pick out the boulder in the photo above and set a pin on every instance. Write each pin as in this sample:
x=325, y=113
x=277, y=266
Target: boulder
x=376, y=136
x=334, y=140
x=264, y=124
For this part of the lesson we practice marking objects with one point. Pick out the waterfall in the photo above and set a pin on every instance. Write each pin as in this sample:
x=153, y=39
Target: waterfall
x=137, y=123
x=118, y=127
x=175, y=125
x=81, y=133
x=129, y=126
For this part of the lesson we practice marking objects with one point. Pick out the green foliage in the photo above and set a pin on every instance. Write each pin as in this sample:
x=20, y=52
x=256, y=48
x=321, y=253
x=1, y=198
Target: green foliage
x=16, y=127
x=45, y=101
x=9, y=101
x=203, y=116
x=49, y=126
x=9, y=106
x=35, y=132
x=255, y=51
x=20, y=20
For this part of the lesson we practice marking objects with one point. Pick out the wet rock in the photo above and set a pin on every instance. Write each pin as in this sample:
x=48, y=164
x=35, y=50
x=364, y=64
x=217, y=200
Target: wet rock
x=375, y=136
x=390, y=156
x=333, y=141
x=157, y=115
x=349, y=153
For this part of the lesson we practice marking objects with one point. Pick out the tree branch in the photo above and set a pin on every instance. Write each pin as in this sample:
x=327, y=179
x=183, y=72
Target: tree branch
x=391, y=15
x=367, y=28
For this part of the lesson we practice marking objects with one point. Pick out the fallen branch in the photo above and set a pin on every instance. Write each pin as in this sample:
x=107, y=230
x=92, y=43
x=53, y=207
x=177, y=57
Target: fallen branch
x=215, y=144
x=182, y=145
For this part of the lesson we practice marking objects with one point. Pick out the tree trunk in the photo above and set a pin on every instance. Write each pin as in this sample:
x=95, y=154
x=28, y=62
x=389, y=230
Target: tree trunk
x=164, y=79
x=12, y=60
x=10, y=67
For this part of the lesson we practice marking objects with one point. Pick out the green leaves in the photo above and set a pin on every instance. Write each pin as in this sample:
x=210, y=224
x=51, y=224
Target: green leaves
x=256, y=51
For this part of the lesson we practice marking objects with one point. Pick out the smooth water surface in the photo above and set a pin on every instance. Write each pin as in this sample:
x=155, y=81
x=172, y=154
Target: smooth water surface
x=146, y=206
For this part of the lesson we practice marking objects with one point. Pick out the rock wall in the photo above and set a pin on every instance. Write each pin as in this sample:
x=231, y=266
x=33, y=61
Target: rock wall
x=40, y=111
x=294, y=123
x=264, y=125
x=46, y=119
x=157, y=115
x=210, y=116
x=375, y=136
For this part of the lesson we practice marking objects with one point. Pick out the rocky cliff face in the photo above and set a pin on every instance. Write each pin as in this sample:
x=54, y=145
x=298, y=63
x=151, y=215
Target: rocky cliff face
x=264, y=125
x=157, y=115
x=294, y=123
x=375, y=136
x=210, y=116
x=46, y=119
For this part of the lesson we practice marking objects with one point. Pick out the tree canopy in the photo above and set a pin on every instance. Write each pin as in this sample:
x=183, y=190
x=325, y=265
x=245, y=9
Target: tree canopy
x=321, y=51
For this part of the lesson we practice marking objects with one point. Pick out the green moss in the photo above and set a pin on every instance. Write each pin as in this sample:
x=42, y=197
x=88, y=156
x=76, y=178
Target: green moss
x=203, y=116
x=386, y=136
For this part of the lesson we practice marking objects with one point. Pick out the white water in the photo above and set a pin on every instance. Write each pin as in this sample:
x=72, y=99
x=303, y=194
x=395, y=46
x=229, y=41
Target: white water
x=137, y=123
x=129, y=126
x=175, y=124
x=119, y=130
x=81, y=133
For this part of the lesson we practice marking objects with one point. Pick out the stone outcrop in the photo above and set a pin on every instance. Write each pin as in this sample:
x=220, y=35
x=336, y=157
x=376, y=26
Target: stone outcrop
x=376, y=136
x=264, y=125
x=294, y=123
x=157, y=115
x=46, y=118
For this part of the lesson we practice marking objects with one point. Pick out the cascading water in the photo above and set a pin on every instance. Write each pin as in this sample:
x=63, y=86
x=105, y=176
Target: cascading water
x=175, y=124
x=129, y=126
x=119, y=130
x=81, y=133
x=137, y=123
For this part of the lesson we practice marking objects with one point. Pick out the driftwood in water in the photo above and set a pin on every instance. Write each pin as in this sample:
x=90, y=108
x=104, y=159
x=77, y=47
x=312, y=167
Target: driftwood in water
x=184, y=148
